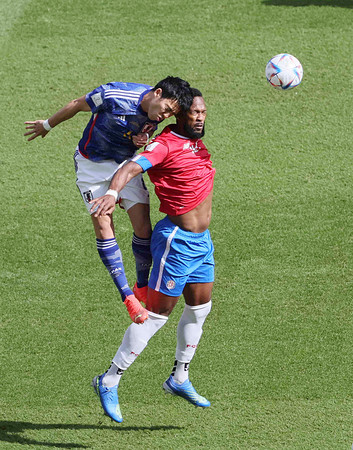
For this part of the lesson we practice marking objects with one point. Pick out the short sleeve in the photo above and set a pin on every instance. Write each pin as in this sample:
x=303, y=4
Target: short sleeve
x=154, y=154
x=95, y=99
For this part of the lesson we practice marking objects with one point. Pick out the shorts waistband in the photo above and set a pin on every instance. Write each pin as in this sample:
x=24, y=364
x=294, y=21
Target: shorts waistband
x=185, y=233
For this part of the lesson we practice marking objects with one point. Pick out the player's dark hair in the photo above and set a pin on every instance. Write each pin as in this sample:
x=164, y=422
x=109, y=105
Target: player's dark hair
x=178, y=89
x=195, y=92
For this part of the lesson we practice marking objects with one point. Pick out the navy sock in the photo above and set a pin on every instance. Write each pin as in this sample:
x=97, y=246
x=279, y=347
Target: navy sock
x=141, y=249
x=110, y=254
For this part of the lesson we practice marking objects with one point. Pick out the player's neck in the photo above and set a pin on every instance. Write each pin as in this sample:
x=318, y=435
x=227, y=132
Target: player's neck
x=146, y=100
x=179, y=129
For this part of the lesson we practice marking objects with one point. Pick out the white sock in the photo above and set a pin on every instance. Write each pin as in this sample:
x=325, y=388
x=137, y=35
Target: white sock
x=189, y=333
x=180, y=372
x=112, y=376
x=136, y=339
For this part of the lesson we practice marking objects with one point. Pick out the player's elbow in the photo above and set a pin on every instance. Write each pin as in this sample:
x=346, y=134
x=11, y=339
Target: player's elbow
x=133, y=169
x=80, y=104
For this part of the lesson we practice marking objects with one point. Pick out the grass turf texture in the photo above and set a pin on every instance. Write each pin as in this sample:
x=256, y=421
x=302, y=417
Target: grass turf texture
x=275, y=359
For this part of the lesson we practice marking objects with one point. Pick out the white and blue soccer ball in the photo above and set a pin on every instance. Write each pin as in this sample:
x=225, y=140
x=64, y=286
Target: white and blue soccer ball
x=284, y=71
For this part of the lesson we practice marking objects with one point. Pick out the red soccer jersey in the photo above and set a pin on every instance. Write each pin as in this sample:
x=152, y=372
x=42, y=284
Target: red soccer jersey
x=180, y=169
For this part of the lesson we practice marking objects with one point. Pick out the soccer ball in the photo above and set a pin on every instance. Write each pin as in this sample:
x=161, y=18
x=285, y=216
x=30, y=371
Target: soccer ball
x=284, y=71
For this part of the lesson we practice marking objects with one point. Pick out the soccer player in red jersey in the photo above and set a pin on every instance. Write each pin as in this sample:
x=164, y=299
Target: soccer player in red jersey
x=179, y=165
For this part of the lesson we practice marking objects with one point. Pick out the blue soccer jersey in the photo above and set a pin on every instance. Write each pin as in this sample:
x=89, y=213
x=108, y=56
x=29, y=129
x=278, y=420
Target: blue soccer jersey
x=116, y=117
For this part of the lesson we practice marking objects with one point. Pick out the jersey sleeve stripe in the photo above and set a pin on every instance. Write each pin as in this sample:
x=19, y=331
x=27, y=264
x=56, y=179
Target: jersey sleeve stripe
x=122, y=94
x=143, y=162
x=122, y=90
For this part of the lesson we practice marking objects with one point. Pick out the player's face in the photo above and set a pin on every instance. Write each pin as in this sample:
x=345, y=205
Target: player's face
x=194, y=125
x=161, y=108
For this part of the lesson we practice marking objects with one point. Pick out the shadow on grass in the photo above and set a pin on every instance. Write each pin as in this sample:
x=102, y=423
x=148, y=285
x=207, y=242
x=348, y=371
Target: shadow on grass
x=334, y=3
x=11, y=432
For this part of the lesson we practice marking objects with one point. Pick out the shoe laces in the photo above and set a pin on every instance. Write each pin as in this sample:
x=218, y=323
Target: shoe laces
x=109, y=393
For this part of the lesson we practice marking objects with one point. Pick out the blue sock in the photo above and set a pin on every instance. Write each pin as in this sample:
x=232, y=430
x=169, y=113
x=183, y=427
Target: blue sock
x=110, y=254
x=141, y=249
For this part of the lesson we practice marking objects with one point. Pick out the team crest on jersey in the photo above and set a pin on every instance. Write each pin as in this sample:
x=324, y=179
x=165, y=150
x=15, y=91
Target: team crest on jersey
x=88, y=196
x=170, y=284
x=195, y=148
x=97, y=99
x=150, y=147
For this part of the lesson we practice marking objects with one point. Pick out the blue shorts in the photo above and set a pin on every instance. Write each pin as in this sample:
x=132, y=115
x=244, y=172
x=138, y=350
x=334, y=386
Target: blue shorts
x=179, y=257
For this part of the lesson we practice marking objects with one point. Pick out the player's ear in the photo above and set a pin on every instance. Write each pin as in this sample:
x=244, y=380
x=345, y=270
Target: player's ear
x=158, y=92
x=181, y=115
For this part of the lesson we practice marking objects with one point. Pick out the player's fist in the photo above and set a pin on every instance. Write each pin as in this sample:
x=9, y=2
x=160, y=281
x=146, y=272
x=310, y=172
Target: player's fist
x=140, y=139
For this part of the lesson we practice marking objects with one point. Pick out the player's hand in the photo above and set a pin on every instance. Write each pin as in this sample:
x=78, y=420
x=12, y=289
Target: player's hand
x=140, y=139
x=101, y=206
x=36, y=129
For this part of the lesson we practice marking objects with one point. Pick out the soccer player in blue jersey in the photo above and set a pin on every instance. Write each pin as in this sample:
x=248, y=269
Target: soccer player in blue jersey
x=124, y=117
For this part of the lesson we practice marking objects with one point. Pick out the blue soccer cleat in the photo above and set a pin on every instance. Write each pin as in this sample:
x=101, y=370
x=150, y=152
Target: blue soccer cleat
x=109, y=398
x=185, y=390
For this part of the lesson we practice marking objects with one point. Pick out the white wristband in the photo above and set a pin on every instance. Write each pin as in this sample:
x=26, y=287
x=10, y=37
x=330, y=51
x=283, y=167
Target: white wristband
x=46, y=125
x=113, y=193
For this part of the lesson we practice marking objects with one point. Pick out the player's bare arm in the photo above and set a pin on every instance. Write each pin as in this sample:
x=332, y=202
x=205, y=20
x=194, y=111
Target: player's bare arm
x=105, y=205
x=36, y=127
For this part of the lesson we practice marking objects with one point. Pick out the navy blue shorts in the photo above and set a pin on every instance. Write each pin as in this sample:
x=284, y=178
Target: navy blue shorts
x=179, y=257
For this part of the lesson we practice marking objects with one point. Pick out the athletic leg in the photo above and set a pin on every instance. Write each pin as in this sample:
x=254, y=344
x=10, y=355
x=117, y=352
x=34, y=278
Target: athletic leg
x=189, y=332
x=93, y=180
x=110, y=253
x=136, y=337
x=111, y=257
x=134, y=342
x=135, y=200
x=197, y=293
x=139, y=215
x=160, y=303
x=197, y=307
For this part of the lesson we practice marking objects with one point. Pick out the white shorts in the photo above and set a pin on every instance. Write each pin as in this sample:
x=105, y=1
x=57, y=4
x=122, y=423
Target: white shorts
x=93, y=179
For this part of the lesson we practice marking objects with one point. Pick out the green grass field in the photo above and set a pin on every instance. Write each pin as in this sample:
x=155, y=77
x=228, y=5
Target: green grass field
x=275, y=359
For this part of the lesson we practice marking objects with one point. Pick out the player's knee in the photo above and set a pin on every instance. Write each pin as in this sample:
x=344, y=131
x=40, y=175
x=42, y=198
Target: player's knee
x=159, y=303
x=143, y=230
x=140, y=220
x=103, y=227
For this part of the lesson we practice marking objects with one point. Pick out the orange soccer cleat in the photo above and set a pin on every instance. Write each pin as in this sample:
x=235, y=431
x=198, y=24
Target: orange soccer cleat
x=136, y=311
